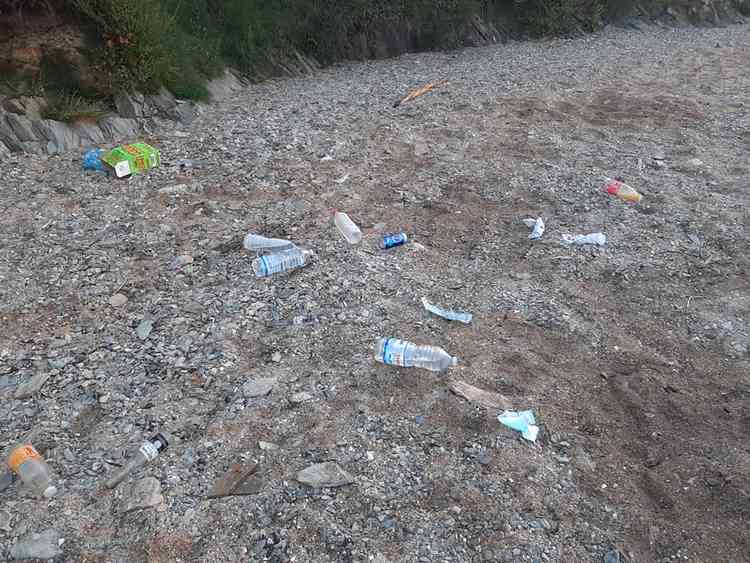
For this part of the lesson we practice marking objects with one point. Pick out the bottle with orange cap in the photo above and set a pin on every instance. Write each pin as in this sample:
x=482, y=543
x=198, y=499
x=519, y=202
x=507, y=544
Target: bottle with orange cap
x=34, y=472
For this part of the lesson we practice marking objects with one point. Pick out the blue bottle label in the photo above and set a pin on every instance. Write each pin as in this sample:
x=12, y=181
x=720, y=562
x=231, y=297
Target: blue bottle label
x=389, y=241
x=393, y=352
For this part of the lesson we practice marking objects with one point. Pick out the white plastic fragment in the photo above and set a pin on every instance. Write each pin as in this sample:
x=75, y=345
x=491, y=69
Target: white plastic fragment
x=447, y=313
x=597, y=239
x=537, y=226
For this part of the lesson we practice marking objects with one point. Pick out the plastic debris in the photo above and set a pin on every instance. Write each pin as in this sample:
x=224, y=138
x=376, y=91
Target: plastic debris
x=92, y=160
x=131, y=159
x=478, y=396
x=447, y=313
x=407, y=354
x=537, y=226
x=26, y=462
x=145, y=454
x=257, y=243
x=348, y=229
x=597, y=239
x=393, y=240
x=621, y=190
x=420, y=92
x=282, y=262
x=522, y=421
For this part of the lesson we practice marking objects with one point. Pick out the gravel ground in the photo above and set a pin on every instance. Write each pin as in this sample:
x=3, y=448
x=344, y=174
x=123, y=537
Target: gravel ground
x=633, y=356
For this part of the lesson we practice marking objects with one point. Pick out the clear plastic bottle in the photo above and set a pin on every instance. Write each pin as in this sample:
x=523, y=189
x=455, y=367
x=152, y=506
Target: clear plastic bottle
x=257, y=243
x=621, y=190
x=286, y=261
x=26, y=462
x=406, y=354
x=396, y=239
x=348, y=229
x=145, y=454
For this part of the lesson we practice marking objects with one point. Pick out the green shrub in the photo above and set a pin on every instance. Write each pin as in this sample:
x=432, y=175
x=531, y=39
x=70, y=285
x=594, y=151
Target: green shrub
x=71, y=107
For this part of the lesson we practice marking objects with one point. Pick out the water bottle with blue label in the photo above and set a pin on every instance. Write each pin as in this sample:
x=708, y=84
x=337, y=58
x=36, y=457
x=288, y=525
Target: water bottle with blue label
x=286, y=261
x=390, y=241
x=401, y=353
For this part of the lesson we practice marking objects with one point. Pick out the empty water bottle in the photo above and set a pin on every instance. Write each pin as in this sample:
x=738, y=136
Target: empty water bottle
x=257, y=243
x=145, y=454
x=406, y=354
x=286, y=261
x=26, y=462
x=348, y=229
x=389, y=241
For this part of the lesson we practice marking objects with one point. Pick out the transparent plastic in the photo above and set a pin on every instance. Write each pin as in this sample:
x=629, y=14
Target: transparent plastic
x=145, y=454
x=33, y=471
x=348, y=229
x=281, y=262
x=621, y=190
x=257, y=243
x=407, y=354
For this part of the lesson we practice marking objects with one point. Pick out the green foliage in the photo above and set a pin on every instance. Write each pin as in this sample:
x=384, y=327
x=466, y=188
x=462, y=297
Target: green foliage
x=71, y=107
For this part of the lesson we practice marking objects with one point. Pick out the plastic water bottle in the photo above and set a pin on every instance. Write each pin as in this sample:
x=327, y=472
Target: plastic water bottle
x=406, y=354
x=621, y=190
x=265, y=266
x=348, y=229
x=257, y=243
x=26, y=462
x=146, y=454
x=389, y=241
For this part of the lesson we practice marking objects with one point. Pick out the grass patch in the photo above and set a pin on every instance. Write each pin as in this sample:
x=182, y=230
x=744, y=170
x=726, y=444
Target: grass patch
x=72, y=107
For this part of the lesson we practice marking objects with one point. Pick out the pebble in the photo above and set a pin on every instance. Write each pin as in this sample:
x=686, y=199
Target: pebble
x=258, y=387
x=144, y=328
x=236, y=482
x=118, y=300
x=27, y=388
x=45, y=545
x=184, y=260
x=300, y=397
x=276, y=357
x=612, y=557
x=326, y=474
x=145, y=493
x=5, y=521
x=267, y=446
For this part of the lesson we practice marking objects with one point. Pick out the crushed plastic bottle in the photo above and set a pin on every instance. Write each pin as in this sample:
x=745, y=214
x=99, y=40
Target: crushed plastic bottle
x=257, y=243
x=621, y=190
x=145, y=454
x=348, y=229
x=92, y=160
x=537, y=226
x=597, y=239
x=390, y=241
x=447, y=313
x=406, y=354
x=286, y=261
x=26, y=462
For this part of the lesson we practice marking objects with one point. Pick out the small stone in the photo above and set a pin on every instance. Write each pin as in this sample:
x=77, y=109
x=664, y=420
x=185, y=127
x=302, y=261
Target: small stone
x=31, y=386
x=327, y=474
x=258, y=387
x=144, y=329
x=612, y=557
x=484, y=458
x=175, y=189
x=695, y=163
x=300, y=397
x=268, y=446
x=145, y=493
x=59, y=363
x=235, y=482
x=118, y=300
x=5, y=521
x=276, y=357
x=184, y=259
x=37, y=546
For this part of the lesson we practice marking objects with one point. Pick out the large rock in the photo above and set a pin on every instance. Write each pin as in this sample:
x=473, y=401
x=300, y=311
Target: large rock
x=185, y=112
x=119, y=128
x=145, y=493
x=223, y=87
x=22, y=127
x=163, y=102
x=4, y=151
x=37, y=546
x=29, y=106
x=258, y=387
x=60, y=136
x=89, y=132
x=326, y=474
x=130, y=105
